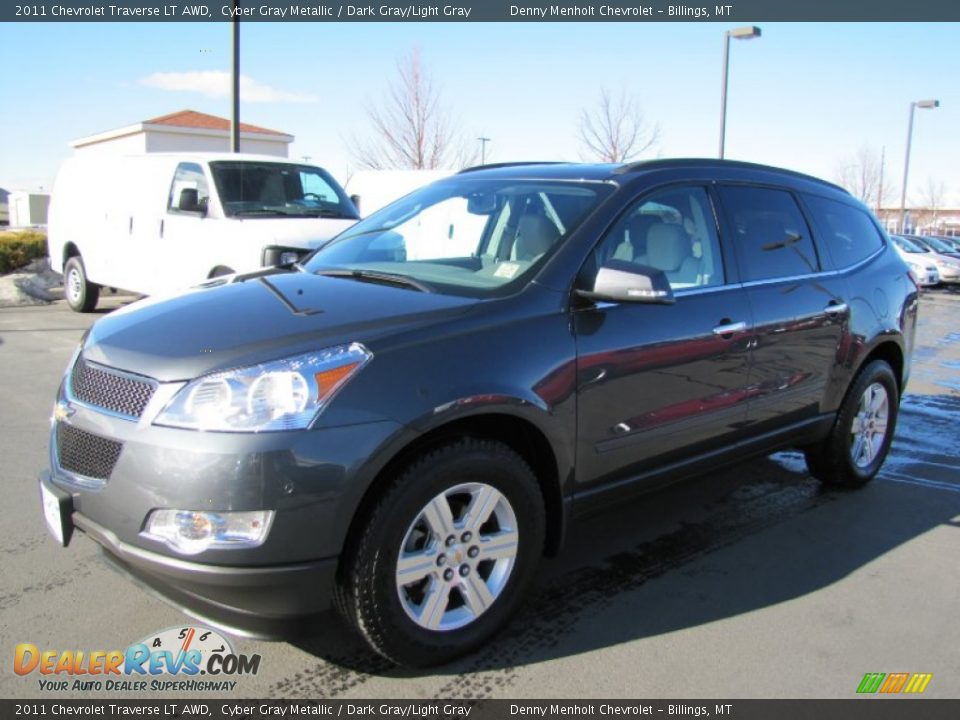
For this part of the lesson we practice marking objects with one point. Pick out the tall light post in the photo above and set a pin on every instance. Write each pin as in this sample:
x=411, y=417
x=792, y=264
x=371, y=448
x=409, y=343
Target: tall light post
x=741, y=33
x=483, y=149
x=235, y=81
x=925, y=105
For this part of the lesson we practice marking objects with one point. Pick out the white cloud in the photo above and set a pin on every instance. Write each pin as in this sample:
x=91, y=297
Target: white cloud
x=216, y=83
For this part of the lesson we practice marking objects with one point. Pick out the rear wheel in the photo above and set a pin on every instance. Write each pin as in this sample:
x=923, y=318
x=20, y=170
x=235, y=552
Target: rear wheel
x=446, y=554
x=858, y=444
x=81, y=294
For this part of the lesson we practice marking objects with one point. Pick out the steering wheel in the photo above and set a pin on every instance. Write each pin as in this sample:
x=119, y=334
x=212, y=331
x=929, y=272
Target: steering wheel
x=314, y=196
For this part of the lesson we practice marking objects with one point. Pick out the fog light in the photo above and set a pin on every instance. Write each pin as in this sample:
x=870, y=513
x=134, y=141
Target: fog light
x=192, y=531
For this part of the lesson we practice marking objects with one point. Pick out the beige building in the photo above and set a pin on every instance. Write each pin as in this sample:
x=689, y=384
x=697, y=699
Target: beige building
x=184, y=131
x=922, y=221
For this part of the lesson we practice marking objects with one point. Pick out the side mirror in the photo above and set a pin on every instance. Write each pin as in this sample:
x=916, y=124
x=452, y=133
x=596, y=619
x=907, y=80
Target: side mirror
x=355, y=199
x=190, y=201
x=619, y=281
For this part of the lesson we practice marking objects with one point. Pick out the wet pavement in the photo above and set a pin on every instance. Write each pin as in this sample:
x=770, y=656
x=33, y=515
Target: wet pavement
x=751, y=582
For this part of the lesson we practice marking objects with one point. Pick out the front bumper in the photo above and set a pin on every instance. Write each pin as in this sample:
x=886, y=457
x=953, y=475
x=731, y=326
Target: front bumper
x=258, y=601
x=312, y=480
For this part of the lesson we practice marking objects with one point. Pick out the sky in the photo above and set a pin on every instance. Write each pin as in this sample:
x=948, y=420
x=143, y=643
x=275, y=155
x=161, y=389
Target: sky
x=802, y=96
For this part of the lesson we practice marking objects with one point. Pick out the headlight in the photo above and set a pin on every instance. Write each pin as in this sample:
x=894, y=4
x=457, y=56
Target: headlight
x=284, y=394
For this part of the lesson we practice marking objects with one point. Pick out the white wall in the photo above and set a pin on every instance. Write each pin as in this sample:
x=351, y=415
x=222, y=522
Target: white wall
x=27, y=209
x=189, y=142
x=127, y=145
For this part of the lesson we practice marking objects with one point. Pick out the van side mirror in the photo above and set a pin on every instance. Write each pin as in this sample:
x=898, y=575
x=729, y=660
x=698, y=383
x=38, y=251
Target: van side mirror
x=355, y=199
x=190, y=202
x=620, y=281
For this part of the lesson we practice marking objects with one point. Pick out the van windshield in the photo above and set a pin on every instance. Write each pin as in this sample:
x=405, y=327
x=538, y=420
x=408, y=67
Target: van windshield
x=465, y=235
x=264, y=189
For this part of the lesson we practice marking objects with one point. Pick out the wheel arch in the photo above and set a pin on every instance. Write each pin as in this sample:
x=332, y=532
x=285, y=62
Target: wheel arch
x=892, y=354
x=519, y=434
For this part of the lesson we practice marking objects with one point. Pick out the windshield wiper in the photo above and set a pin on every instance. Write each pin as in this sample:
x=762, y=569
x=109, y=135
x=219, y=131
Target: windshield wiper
x=261, y=211
x=378, y=277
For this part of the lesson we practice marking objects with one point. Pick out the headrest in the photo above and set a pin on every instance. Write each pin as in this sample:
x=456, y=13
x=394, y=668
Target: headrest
x=535, y=235
x=667, y=247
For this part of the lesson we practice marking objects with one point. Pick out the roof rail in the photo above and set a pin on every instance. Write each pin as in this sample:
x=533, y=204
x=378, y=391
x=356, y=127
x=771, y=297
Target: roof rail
x=493, y=166
x=714, y=162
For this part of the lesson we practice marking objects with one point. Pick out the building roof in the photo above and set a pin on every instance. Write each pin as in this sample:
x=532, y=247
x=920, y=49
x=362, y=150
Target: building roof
x=199, y=120
x=189, y=122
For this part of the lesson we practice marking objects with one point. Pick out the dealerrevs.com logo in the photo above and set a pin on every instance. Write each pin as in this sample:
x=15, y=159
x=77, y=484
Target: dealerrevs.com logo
x=176, y=659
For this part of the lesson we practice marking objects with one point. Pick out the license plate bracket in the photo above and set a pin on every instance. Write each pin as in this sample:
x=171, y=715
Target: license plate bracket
x=57, y=508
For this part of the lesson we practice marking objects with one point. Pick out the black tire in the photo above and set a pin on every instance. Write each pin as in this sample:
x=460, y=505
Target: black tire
x=832, y=461
x=368, y=593
x=80, y=293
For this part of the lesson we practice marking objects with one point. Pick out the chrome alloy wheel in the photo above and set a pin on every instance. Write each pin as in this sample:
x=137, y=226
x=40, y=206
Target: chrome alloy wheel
x=457, y=556
x=74, y=285
x=869, y=428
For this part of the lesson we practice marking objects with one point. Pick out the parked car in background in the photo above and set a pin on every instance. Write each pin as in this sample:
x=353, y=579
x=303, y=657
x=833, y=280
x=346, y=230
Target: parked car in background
x=159, y=222
x=923, y=270
x=938, y=245
x=409, y=419
x=948, y=266
x=951, y=241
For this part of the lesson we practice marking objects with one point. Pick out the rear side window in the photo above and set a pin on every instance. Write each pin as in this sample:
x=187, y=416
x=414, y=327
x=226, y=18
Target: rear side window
x=770, y=233
x=847, y=232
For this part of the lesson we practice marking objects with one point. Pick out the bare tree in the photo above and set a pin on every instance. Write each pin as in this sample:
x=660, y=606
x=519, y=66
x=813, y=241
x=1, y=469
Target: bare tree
x=411, y=130
x=615, y=130
x=863, y=175
x=931, y=201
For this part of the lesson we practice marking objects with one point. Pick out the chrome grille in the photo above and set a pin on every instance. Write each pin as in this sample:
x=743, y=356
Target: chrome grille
x=86, y=454
x=117, y=392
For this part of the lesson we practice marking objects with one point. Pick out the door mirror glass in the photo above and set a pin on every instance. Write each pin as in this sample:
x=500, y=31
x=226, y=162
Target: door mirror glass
x=621, y=281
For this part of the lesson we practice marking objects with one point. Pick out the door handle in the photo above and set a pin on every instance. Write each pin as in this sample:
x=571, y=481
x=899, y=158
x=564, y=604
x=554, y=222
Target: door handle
x=836, y=308
x=729, y=328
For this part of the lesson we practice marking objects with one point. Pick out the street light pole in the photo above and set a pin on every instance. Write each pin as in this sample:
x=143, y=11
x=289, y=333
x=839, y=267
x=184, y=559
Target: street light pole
x=235, y=82
x=923, y=104
x=741, y=33
x=483, y=149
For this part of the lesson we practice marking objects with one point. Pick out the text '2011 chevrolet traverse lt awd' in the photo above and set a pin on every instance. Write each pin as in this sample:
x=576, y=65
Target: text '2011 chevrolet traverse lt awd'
x=407, y=420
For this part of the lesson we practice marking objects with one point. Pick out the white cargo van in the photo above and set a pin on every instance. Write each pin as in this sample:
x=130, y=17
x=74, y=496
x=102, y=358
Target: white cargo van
x=371, y=190
x=160, y=222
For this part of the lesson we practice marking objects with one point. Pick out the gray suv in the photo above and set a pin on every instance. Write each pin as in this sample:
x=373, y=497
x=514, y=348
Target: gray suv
x=408, y=420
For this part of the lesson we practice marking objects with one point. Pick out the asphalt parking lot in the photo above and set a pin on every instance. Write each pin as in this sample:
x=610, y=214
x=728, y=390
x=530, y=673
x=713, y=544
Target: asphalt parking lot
x=753, y=582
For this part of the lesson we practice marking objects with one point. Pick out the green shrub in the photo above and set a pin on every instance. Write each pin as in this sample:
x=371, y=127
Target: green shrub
x=20, y=247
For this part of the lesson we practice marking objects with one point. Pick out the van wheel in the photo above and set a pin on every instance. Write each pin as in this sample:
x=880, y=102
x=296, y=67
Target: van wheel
x=81, y=294
x=854, y=451
x=446, y=554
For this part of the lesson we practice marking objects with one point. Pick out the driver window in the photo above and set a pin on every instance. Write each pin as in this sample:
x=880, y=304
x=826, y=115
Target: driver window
x=672, y=230
x=189, y=191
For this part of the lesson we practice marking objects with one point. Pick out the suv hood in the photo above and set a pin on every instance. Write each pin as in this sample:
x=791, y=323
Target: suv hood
x=258, y=317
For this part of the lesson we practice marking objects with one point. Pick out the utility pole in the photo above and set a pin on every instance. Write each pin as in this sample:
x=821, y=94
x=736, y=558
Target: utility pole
x=235, y=81
x=483, y=149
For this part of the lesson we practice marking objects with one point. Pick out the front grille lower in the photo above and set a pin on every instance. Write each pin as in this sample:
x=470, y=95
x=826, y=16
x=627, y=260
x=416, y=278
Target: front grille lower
x=117, y=392
x=86, y=454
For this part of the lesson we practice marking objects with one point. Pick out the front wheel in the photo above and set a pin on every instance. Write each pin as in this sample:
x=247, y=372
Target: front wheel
x=445, y=555
x=858, y=444
x=81, y=294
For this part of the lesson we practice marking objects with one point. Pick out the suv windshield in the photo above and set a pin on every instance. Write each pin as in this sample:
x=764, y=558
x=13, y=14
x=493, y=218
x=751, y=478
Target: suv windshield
x=266, y=189
x=464, y=236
